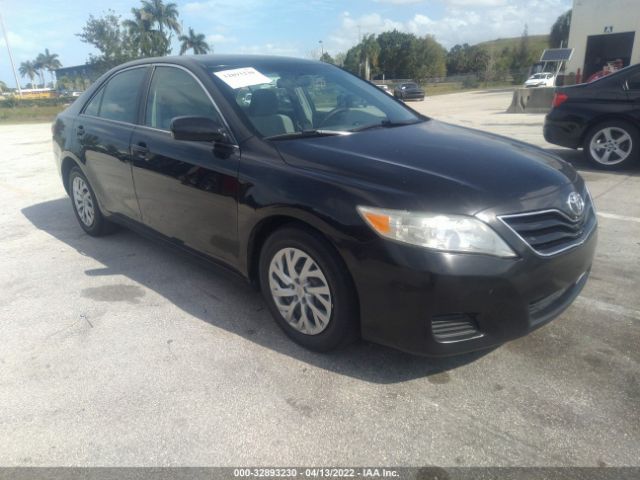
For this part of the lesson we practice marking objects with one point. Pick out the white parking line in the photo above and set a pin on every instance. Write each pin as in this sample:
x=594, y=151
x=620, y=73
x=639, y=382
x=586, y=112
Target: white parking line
x=608, y=307
x=614, y=216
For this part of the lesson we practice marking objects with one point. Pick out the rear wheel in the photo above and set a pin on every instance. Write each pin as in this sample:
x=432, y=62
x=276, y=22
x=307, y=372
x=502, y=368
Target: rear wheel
x=308, y=290
x=85, y=205
x=612, y=145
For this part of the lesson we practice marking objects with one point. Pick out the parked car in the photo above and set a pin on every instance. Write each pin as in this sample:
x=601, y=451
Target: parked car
x=542, y=79
x=354, y=215
x=409, y=91
x=385, y=88
x=602, y=118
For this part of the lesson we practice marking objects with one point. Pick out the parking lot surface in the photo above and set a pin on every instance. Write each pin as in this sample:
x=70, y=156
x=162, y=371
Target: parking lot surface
x=119, y=351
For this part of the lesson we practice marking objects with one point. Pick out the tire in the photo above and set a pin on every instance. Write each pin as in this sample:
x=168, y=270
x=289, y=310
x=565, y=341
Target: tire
x=85, y=205
x=612, y=145
x=302, y=248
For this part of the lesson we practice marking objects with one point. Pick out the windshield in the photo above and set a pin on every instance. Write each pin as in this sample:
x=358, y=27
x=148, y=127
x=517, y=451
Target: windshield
x=541, y=75
x=285, y=98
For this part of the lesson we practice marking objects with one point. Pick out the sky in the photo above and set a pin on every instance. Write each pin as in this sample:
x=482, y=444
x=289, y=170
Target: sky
x=277, y=27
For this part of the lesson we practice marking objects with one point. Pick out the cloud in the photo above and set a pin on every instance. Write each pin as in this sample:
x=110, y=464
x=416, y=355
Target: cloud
x=462, y=21
x=219, y=38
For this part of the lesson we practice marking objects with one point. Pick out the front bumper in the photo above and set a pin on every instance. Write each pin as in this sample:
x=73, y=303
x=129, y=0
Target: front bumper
x=408, y=294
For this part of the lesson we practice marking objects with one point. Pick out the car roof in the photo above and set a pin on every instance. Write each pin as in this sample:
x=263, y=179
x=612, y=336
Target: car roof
x=217, y=62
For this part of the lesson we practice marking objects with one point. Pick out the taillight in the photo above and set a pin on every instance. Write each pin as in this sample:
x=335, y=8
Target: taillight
x=559, y=99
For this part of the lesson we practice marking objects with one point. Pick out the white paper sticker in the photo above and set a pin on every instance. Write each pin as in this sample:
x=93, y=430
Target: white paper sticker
x=242, y=77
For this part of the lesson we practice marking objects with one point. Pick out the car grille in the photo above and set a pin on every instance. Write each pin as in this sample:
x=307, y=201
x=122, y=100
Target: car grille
x=454, y=327
x=550, y=232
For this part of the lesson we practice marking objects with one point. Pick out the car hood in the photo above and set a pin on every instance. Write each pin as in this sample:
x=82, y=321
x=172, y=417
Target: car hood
x=433, y=165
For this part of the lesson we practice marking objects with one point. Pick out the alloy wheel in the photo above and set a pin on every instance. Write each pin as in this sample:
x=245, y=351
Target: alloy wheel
x=611, y=145
x=83, y=201
x=300, y=291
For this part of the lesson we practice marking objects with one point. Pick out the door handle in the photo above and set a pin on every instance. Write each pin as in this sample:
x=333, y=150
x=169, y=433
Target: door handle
x=140, y=151
x=80, y=130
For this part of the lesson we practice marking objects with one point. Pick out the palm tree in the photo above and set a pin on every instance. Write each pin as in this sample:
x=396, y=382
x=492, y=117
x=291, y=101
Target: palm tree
x=141, y=32
x=194, y=41
x=28, y=69
x=39, y=64
x=48, y=61
x=369, y=54
x=164, y=14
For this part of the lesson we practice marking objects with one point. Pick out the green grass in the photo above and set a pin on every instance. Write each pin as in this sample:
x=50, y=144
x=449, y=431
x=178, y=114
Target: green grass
x=31, y=114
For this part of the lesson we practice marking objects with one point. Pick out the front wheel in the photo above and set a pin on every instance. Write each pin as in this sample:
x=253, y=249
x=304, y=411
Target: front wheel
x=612, y=145
x=308, y=290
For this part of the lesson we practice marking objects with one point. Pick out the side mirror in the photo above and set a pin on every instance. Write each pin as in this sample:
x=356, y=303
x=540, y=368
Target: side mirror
x=197, y=129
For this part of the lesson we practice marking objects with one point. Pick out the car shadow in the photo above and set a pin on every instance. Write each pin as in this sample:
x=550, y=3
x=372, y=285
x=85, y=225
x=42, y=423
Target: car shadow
x=250, y=318
x=577, y=160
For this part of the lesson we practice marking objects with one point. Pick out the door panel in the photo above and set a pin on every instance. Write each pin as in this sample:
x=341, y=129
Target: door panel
x=104, y=133
x=186, y=190
x=105, y=153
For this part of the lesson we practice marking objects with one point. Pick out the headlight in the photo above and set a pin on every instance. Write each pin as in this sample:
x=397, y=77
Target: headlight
x=447, y=233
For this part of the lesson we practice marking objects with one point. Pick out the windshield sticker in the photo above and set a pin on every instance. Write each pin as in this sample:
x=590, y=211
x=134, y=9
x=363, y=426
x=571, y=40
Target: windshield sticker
x=242, y=77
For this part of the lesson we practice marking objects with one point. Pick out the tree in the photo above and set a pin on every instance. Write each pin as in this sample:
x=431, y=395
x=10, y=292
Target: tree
x=49, y=61
x=326, y=58
x=141, y=38
x=3, y=86
x=458, y=59
x=369, y=54
x=194, y=41
x=428, y=58
x=28, y=69
x=164, y=14
x=559, y=36
x=395, y=58
x=522, y=58
x=111, y=39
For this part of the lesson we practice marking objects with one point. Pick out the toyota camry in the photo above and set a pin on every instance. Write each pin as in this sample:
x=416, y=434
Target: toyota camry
x=354, y=215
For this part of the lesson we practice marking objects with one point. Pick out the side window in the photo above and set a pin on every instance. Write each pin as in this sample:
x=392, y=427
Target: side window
x=634, y=82
x=120, y=97
x=93, y=107
x=175, y=93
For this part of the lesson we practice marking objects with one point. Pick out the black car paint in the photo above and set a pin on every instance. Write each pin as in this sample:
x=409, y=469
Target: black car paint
x=409, y=91
x=225, y=199
x=589, y=104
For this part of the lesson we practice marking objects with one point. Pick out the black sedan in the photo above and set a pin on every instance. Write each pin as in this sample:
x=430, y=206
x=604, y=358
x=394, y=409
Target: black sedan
x=353, y=214
x=408, y=91
x=602, y=118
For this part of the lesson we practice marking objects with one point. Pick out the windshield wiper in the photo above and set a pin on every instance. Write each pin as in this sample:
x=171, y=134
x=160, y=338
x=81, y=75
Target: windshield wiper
x=307, y=134
x=384, y=124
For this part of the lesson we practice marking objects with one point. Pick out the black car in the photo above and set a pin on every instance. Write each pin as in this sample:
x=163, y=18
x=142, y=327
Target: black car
x=602, y=118
x=354, y=215
x=408, y=91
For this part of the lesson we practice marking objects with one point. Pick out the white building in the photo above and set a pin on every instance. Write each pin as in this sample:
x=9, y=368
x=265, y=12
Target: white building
x=603, y=32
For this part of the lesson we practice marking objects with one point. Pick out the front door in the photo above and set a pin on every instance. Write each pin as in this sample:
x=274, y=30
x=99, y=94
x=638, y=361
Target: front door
x=186, y=190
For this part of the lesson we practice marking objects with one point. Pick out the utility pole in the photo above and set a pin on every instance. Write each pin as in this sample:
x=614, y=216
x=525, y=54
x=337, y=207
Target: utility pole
x=321, y=49
x=13, y=67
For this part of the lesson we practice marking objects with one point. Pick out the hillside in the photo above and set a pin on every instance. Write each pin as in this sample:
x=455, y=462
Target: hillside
x=538, y=43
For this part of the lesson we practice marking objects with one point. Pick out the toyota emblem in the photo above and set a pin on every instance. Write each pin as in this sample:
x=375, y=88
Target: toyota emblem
x=575, y=203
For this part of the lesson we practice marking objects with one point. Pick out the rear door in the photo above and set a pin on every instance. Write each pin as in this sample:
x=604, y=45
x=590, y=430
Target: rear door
x=104, y=130
x=633, y=90
x=186, y=190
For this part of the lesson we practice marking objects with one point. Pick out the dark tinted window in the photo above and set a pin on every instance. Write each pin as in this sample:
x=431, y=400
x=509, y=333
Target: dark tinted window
x=175, y=93
x=120, y=97
x=93, y=106
x=634, y=82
